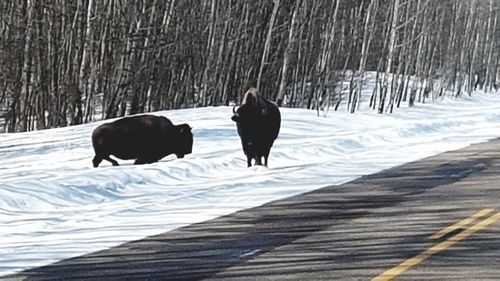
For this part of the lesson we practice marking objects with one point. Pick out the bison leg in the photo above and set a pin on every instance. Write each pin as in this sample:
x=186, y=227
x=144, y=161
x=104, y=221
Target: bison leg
x=98, y=159
x=113, y=162
x=249, y=161
x=258, y=160
x=266, y=156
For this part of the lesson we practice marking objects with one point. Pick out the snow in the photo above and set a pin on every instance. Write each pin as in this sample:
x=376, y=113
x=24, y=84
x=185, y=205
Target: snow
x=54, y=205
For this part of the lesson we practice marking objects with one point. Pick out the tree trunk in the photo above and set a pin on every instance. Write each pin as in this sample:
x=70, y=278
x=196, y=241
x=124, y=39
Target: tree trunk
x=267, y=44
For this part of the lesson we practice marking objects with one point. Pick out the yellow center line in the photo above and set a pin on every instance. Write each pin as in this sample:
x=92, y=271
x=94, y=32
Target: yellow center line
x=461, y=224
x=404, y=266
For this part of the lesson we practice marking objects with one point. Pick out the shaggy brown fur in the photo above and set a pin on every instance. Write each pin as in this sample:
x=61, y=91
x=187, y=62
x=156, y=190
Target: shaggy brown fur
x=146, y=138
x=258, y=122
x=250, y=97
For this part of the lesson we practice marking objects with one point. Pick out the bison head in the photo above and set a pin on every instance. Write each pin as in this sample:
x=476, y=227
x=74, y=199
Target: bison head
x=247, y=112
x=184, y=140
x=249, y=109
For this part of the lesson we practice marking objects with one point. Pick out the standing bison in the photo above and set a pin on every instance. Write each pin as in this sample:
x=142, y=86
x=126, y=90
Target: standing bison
x=146, y=138
x=258, y=122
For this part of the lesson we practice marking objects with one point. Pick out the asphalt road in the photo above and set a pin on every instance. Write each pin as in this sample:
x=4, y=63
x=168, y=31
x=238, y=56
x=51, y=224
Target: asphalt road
x=433, y=219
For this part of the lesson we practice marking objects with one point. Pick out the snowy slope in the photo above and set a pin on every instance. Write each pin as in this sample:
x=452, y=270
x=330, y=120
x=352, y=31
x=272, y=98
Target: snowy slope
x=54, y=205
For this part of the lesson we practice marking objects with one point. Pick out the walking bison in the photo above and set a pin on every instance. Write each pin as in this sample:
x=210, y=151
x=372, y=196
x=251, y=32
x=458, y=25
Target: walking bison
x=258, y=123
x=145, y=138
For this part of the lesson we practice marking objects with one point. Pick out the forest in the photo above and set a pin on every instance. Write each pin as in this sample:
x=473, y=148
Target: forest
x=68, y=62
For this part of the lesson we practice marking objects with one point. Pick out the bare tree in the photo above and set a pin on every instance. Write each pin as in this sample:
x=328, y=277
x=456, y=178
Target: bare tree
x=64, y=62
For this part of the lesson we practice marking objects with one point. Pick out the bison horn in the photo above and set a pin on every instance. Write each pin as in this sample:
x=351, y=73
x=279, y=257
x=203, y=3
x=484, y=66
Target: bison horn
x=234, y=111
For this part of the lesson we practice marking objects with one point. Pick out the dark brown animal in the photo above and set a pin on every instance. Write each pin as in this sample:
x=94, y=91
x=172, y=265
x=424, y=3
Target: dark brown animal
x=258, y=122
x=145, y=138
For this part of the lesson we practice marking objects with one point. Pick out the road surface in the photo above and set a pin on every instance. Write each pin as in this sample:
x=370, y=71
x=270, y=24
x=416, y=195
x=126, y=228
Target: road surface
x=434, y=219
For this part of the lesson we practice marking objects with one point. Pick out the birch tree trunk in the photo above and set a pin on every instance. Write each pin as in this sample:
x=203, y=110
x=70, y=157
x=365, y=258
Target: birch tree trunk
x=83, y=86
x=391, y=51
x=267, y=43
x=26, y=89
x=288, y=54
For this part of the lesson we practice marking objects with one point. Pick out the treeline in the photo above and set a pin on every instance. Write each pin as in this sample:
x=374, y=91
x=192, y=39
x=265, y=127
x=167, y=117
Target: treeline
x=61, y=61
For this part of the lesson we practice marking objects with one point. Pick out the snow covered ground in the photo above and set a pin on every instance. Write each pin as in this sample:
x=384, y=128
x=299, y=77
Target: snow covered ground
x=54, y=205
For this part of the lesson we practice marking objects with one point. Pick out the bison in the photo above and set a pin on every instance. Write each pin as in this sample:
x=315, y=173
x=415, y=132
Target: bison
x=258, y=123
x=145, y=138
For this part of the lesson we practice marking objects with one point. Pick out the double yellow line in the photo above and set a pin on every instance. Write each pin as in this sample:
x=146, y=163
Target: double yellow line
x=465, y=224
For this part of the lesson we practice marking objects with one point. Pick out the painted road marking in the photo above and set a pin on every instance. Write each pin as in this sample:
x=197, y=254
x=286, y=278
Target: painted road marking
x=461, y=224
x=394, y=272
